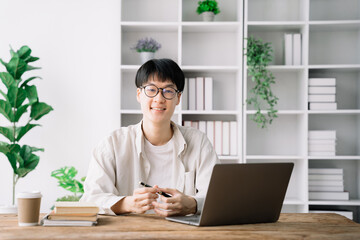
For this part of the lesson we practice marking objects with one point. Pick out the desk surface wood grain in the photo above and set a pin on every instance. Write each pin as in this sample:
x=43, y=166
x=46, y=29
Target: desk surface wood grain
x=289, y=226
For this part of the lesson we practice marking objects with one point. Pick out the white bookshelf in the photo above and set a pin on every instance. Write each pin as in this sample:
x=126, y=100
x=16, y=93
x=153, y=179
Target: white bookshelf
x=330, y=32
x=330, y=47
x=204, y=49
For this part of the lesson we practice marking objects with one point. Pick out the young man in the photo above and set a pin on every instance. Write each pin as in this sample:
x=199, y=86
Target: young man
x=173, y=159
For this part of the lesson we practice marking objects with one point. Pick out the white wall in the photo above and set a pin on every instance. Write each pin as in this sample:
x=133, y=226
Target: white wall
x=78, y=45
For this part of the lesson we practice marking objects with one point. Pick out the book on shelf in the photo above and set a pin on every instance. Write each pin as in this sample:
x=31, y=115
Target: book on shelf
x=322, y=81
x=199, y=93
x=326, y=171
x=322, y=98
x=208, y=92
x=348, y=214
x=322, y=154
x=329, y=195
x=185, y=95
x=218, y=137
x=326, y=188
x=195, y=124
x=321, y=147
x=75, y=207
x=326, y=183
x=202, y=126
x=233, y=138
x=297, y=49
x=210, y=131
x=322, y=90
x=192, y=94
x=322, y=141
x=288, y=48
x=322, y=106
x=187, y=123
x=325, y=177
x=322, y=134
x=226, y=138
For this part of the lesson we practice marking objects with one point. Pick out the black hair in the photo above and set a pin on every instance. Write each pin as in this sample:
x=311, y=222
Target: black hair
x=165, y=69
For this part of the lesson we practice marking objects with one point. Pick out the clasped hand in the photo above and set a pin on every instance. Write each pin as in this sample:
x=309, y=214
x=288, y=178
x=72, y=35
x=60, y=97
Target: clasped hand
x=144, y=199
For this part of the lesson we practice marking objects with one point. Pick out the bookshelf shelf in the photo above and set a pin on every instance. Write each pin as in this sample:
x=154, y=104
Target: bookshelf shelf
x=330, y=41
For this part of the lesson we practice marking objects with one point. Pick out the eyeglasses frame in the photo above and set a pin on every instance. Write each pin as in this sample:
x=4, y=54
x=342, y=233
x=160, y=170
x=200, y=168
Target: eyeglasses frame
x=158, y=90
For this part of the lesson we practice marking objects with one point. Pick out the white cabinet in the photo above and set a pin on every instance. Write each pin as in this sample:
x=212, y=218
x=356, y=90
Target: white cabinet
x=330, y=32
x=202, y=49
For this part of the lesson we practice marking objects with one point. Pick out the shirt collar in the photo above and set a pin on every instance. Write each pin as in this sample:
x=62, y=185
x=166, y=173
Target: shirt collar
x=179, y=141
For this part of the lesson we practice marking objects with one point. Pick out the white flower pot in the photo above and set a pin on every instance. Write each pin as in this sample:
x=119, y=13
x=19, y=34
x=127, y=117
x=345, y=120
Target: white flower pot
x=146, y=56
x=4, y=209
x=208, y=16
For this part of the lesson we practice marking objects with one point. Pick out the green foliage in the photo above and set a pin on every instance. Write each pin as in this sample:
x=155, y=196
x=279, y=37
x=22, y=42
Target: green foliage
x=66, y=180
x=20, y=97
x=259, y=55
x=208, y=6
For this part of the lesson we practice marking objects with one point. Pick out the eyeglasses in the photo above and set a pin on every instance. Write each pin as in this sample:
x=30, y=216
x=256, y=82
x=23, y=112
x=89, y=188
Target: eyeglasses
x=167, y=92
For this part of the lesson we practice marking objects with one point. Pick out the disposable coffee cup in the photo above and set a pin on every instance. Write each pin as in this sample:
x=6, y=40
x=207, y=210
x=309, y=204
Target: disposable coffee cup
x=28, y=208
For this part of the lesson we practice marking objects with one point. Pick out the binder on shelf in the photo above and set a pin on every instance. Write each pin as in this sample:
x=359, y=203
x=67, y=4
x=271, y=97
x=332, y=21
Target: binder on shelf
x=210, y=131
x=208, y=92
x=321, y=148
x=297, y=49
x=199, y=93
x=288, y=48
x=325, y=177
x=322, y=81
x=233, y=138
x=322, y=106
x=218, y=137
x=322, y=90
x=192, y=94
x=195, y=124
x=187, y=123
x=322, y=141
x=226, y=138
x=326, y=183
x=322, y=98
x=329, y=195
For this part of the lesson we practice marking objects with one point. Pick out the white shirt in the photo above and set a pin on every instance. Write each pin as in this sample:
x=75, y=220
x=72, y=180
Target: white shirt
x=118, y=165
x=160, y=159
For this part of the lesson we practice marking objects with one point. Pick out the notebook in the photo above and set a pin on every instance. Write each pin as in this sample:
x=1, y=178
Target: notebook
x=242, y=194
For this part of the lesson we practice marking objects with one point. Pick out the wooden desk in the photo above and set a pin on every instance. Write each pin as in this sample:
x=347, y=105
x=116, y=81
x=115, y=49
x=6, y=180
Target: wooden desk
x=289, y=226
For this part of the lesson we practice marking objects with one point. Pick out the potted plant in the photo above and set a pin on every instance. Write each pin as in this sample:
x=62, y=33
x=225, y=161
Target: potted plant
x=66, y=180
x=259, y=55
x=21, y=97
x=147, y=48
x=208, y=9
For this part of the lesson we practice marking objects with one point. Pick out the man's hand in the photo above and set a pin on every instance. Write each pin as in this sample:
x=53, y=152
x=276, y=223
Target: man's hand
x=177, y=204
x=140, y=202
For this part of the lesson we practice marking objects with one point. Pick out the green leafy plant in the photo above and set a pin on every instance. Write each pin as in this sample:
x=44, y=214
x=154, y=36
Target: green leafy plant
x=208, y=6
x=65, y=177
x=259, y=55
x=20, y=97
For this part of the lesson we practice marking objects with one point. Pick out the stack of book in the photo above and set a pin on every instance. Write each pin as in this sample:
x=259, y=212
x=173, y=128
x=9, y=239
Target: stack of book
x=327, y=184
x=72, y=214
x=322, y=92
x=222, y=135
x=198, y=94
x=322, y=143
x=292, y=48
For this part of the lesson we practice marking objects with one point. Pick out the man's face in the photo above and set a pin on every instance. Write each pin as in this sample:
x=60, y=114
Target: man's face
x=157, y=109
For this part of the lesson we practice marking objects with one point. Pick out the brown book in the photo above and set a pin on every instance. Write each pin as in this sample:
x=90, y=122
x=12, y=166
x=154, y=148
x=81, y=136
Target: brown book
x=75, y=208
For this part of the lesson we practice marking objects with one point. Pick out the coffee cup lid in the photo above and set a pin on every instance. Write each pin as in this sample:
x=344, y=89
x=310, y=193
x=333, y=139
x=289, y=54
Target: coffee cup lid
x=33, y=194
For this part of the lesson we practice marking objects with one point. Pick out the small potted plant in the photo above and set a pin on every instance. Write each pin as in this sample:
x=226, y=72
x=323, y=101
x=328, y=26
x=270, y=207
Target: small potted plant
x=208, y=9
x=147, y=48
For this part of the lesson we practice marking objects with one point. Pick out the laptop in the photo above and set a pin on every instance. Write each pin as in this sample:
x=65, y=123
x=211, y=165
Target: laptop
x=243, y=193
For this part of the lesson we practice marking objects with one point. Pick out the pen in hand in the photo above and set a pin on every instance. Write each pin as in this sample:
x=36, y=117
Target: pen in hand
x=160, y=192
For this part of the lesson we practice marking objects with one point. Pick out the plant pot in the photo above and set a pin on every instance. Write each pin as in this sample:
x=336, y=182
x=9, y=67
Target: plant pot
x=5, y=209
x=208, y=16
x=146, y=56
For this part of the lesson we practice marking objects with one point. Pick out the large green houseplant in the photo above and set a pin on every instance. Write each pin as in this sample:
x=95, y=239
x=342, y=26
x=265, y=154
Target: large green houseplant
x=259, y=55
x=21, y=97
